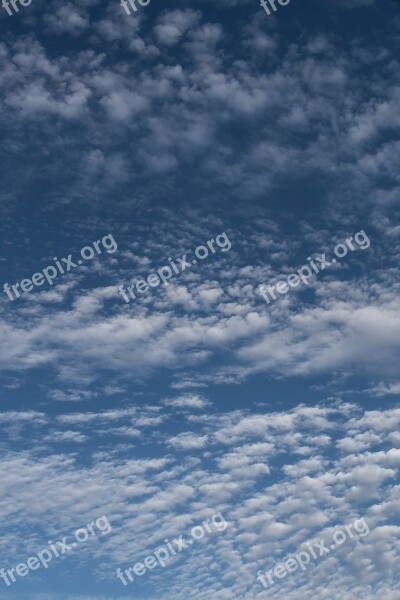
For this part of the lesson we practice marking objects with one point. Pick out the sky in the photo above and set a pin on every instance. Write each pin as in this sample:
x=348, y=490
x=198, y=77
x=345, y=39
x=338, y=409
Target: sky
x=220, y=148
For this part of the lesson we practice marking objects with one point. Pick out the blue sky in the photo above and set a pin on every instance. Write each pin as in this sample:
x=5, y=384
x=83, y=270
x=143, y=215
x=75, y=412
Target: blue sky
x=165, y=129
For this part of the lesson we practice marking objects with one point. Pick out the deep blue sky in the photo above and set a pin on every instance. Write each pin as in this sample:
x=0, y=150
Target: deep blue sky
x=164, y=129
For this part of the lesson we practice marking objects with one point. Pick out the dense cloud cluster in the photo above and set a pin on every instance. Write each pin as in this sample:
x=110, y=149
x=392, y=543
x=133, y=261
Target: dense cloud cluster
x=281, y=479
